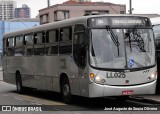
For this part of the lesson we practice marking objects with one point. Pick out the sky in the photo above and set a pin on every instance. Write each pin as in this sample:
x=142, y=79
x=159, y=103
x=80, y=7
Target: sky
x=140, y=6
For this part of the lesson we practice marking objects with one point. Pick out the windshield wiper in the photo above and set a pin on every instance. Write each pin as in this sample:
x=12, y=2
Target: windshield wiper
x=138, y=38
x=113, y=37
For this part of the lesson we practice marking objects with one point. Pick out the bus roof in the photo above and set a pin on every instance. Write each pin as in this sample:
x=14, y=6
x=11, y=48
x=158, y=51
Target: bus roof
x=155, y=20
x=63, y=23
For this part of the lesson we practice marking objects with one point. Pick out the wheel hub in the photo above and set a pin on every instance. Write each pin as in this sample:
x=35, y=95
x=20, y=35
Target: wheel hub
x=66, y=90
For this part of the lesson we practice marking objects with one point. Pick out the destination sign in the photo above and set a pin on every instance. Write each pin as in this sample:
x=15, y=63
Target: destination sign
x=119, y=21
x=126, y=21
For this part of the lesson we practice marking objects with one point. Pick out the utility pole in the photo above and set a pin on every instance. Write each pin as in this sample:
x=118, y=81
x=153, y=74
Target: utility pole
x=130, y=7
x=48, y=1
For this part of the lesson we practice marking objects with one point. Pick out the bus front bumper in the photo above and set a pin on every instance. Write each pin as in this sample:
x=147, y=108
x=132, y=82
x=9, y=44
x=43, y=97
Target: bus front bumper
x=97, y=90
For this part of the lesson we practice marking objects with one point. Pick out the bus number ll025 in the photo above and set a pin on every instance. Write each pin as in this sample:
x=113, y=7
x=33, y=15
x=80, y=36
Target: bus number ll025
x=115, y=75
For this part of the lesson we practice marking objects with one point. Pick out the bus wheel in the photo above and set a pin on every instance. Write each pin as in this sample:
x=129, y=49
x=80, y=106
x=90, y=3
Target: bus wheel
x=65, y=91
x=19, y=83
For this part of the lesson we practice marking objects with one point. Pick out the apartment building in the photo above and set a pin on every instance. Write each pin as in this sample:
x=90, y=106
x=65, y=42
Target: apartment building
x=72, y=9
x=7, y=8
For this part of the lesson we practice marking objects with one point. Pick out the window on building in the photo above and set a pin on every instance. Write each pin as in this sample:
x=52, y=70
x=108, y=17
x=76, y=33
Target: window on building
x=121, y=12
x=44, y=18
x=103, y=12
x=60, y=15
x=66, y=14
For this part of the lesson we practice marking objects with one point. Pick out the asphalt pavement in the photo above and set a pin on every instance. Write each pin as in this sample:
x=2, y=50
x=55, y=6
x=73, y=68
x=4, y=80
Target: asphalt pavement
x=1, y=74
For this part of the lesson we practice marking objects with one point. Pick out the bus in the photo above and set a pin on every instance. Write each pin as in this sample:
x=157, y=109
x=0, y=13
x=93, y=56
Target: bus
x=90, y=56
x=156, y=28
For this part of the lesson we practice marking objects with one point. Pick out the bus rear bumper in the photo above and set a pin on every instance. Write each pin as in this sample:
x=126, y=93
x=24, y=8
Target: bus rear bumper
x=97, y=90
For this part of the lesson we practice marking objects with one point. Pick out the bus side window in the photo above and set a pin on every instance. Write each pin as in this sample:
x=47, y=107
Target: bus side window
x=19, y=41
x=40, y=37
x=11, y=44
x=19, y=49
x=52, y=42
x=35, y=38
x=28, y=41
x=5, y=45
x=65, y=40
x=6, y=42
x=79, y=49
x=39, y=47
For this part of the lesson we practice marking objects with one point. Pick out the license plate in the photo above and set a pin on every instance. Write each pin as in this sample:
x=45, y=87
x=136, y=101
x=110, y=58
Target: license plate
x=127, y=92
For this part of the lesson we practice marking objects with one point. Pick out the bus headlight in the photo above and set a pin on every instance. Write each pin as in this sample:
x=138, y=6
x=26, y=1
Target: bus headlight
x=154, y=75
x=100, y=79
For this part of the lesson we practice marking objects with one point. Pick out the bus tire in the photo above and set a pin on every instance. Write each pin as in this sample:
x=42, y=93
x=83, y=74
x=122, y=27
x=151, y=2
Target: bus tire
x=65, y=91
x=19, y=83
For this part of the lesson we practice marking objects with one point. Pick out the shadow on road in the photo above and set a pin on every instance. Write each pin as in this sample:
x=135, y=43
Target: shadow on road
x=79, y=103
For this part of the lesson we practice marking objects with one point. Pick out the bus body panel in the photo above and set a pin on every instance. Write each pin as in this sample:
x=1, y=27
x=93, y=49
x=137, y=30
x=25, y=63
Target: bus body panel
x=43, y=72
x=127, y=78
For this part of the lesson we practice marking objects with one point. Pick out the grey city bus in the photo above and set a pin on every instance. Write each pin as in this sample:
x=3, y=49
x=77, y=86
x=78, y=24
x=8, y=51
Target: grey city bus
x=156, y=29
x=90, y=56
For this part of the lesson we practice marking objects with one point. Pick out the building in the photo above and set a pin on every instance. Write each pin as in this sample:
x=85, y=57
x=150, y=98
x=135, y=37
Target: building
x=14, y=25
x=23, y=12
x=7, y=8
x=71, y=9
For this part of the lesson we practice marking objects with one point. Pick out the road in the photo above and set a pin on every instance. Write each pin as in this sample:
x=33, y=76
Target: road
x=52, y=101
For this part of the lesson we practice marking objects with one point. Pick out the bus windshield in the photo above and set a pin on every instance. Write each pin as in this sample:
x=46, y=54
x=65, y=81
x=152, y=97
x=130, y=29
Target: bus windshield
x=134, y=48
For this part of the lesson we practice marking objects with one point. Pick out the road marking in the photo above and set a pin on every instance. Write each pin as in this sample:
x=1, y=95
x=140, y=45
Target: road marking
x=18, y=99
x=36, y=104
x=5, y=95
